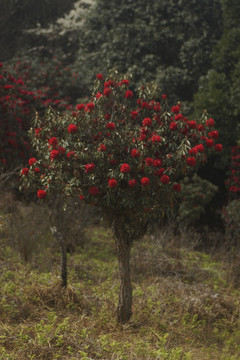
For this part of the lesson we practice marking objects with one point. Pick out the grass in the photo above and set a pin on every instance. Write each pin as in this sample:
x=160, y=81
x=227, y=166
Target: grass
x=184, y=306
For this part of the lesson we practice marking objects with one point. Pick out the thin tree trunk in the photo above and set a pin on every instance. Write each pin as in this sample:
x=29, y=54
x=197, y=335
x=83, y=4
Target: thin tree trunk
x=58, y=236
x=124, y=309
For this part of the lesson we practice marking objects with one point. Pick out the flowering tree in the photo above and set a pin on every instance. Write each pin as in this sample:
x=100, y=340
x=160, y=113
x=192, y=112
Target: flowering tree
x=122, y=153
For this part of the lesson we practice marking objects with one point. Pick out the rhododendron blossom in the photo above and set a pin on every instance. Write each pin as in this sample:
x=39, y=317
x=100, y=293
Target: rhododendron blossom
x=110, y=126
x=54, y=154
x=125, y=168
x=32, y=161
x=145, y=181
x=25, y=171
x=72, y=128
x=112, y=183
x=132, y=182
x=191, y=161
x=41, y=194
x=165, y=179
x=89, y=167
x=147, y=122
x=53, y=141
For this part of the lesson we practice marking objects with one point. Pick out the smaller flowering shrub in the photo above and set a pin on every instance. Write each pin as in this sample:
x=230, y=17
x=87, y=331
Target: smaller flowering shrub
x=25, y=89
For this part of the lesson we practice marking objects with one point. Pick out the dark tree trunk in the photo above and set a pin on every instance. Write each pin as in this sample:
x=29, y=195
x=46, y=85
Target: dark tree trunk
x=58, y=236
x=124, y=309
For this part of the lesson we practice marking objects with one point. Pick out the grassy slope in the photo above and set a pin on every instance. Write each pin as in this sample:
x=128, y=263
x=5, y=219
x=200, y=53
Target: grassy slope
x=184, y=307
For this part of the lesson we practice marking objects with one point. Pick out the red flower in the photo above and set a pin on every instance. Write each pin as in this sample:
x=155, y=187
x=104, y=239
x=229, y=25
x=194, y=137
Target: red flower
x=61, y=150
x=218, y=147
x=6, y=87
x=125, y=168
x=192, y=124
x=41, y=194
x=193, y=151
x=72, y=128
x=145, y=105
x=134, y=114
x=178, y=117
x=37, y=170
x=25, y=171
x=37, y=131
x=200, y=127
x=112, y=183
x=145, y=181
x=177, y=187
x=102, y=147
x=70, y=154
x=173, y=126
x=89, y=167
x=147, y=122
x=191, y=161
x=32, y=161
x=110, y=126
x=200, y=148
x=210, y=122
x=107, y=91
x=213, y=134
x=89, y=106
x=99, y=76
x=125, y=81
x=81, y=197
x=157, y=163
x=93, y=190
x=108, y=83
x=54, y=154
x=164, y=96
x=52, y=141
x=80, y=106
x=165, y=179
x=149, y=161
x=156, y=138
x=132, y=182
x=128, y=94
x=209, y=143
x=135, y=153
x=98, y=95
x=176, y=109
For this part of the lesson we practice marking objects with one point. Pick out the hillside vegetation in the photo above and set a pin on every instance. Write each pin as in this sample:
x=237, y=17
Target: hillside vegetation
x=186, y=302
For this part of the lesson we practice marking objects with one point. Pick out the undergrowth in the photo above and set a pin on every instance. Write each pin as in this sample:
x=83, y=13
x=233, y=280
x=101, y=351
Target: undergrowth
x=184, y=305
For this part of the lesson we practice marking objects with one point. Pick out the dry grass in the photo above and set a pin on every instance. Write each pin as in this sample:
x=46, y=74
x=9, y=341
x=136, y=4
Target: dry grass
x=184, y=306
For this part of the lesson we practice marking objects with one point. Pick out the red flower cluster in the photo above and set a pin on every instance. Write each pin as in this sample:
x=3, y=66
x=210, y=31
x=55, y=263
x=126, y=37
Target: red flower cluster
x=41, y=194
x=147, y=122
x=112, y=183
x=89, y=168
x=125, y=168
x=145, y=181
x=19, y=101
x=72, y=128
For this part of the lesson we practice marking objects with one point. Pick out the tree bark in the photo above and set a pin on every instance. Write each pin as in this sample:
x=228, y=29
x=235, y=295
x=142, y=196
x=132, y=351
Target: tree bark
x=124, y=309
x=58, y=236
